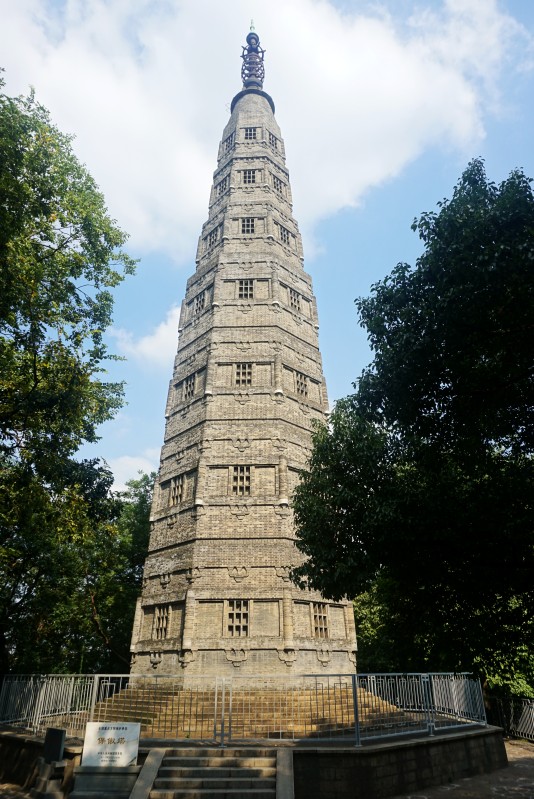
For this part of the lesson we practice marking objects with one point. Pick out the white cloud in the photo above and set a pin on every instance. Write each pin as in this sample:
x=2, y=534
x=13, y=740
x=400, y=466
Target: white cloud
x=145, y=87
x=127, y=467
x=156, y=349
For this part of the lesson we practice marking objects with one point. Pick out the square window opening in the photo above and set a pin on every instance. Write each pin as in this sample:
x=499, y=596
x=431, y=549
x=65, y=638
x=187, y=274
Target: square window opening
x=246, y=289
x=241, y=481
x=238, y=618
x=189, y=387
x=248, y=225
x=320, y=620
x=243, y=374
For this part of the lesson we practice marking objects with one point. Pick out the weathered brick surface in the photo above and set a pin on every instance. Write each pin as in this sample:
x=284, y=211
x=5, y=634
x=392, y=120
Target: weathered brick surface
x=219, y=537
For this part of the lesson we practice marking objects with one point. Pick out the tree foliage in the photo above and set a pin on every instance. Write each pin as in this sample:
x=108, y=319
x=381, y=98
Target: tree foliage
x=70, y=570
x=60, y=254
x=420, y=489
x=61, y=545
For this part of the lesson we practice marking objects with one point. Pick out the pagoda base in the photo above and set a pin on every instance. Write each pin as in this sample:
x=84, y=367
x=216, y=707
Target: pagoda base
x=240, y=661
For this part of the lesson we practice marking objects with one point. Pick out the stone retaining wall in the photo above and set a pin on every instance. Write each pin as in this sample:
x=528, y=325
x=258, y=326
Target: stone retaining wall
x=382, y=770
x=327, y=771
x=19, y=754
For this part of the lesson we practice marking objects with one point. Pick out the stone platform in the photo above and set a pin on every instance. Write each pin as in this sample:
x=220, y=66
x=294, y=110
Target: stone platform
x=468, y=764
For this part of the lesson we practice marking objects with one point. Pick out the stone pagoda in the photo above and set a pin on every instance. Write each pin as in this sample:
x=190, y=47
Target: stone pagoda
x=247, y=385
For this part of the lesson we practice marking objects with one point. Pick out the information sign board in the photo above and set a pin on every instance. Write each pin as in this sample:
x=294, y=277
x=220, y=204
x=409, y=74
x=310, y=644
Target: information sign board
x=112, y=743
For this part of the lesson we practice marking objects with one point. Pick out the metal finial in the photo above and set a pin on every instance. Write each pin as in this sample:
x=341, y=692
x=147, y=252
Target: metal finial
x=253, y=70
x=252, y=28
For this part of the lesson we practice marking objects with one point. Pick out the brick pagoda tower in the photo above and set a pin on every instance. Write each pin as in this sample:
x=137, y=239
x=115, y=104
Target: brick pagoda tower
x=246, y=387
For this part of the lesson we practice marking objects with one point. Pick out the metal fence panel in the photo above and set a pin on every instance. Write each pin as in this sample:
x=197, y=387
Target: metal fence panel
x=514, y=715
x=353, y=707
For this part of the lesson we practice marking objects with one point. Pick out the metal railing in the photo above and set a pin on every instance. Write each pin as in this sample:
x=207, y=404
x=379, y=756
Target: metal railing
x=355, y=707
x=514, y=714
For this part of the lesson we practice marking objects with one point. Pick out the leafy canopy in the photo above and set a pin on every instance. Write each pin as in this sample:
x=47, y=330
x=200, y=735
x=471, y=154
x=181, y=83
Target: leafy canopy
x=60, y=254
x=70, y=570
x=63, y=547
x=419, y=492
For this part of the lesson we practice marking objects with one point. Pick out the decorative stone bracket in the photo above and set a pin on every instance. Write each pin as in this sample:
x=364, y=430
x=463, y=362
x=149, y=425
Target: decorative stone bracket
x=278, y=445
x=287, y=656
x=155, y=659
x=283, y=572
x=192, y=574
x=236, y=656
x=282, y=510
x=240, y=510
x=238, y=573
x=185, y=657
x=324, y=655
x=165, y=579
x=241, y=444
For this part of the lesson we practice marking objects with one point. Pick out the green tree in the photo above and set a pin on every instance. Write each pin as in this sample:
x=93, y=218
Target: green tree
x=60, y=256
x=420, y=488
x=71, y=571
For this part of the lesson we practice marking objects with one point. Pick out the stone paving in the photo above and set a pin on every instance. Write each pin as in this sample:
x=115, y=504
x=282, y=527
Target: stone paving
x=514, y=782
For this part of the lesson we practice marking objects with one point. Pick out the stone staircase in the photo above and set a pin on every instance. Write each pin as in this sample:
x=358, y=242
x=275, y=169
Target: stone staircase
x=183, y=713
x=202, y=773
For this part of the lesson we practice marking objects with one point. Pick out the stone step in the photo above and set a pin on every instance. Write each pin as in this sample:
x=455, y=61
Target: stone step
x=188, y=772
x=210, y=751
x=214, y=782
x=214, y=793
x=273, y=715
x=216, y=773
x=225, y=761
x=98, y=795
x=262, y=713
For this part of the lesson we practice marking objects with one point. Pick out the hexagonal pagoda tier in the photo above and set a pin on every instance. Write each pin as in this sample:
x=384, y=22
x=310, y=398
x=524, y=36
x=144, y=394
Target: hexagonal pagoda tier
x=246, y=388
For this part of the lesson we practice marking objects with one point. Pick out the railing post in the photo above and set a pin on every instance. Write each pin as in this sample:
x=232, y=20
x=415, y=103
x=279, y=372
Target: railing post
x=215, y=708
x=231, y=694
x=94, y=694
x=429, y=693
x=357, y=733
x=70, y=694
x=480, y=702
x=223, y=700
x=4, y=692
x=41, y=689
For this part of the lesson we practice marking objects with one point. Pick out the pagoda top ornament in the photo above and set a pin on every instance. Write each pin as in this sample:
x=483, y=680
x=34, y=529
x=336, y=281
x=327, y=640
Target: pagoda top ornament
x=253, y=70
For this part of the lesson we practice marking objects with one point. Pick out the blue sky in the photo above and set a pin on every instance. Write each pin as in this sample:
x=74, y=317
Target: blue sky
x=381, y=105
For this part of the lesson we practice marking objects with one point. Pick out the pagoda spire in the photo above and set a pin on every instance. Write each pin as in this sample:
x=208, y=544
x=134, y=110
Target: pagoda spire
x=253, y=70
